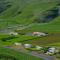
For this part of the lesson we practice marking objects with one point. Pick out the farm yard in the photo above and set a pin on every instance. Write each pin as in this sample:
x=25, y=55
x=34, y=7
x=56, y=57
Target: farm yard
x=46, y=41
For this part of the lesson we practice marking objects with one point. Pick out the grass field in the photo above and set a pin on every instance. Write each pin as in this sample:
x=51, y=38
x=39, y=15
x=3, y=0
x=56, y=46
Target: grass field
x=16, y=55
x=9, y=41
x=51, y=40
x=51, y=27
x=23, y=12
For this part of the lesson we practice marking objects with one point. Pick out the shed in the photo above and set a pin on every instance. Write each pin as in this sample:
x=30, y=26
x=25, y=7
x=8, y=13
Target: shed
x=27, y=45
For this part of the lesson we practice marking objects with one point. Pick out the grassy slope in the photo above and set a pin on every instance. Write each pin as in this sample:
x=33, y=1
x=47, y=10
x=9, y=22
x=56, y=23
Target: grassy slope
x=12, y=41
x=51, y=40
x=33, y=7
x=17, y=55
x=52, y=27
x=29, y=11
x=54, y=33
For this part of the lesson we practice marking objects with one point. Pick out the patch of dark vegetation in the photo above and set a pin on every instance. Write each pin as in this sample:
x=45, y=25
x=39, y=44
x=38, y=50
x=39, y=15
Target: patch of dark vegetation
x=29, y=39
x=9, y=5
x=8, y=38
x=21, y=33
x=4, y=6
x=58, y=4
x=58, y=55
x=17, y=13
x=7, y=57
x=48, y=15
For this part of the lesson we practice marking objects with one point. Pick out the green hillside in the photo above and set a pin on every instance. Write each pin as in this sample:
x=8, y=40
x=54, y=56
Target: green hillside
x=53, y=26
x=25, y=17
x=22, y=11
x=8, y=54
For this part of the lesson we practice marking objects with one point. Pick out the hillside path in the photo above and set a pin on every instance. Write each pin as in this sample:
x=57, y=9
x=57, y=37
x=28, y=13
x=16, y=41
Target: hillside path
x=45, y=57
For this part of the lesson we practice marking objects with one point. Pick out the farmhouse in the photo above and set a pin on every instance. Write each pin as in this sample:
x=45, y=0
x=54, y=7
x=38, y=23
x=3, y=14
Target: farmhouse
x=39, y=34
x=52, y=50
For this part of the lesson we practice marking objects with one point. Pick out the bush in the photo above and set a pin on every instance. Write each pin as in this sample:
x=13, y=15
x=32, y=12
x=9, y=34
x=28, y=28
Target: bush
x=8, y=38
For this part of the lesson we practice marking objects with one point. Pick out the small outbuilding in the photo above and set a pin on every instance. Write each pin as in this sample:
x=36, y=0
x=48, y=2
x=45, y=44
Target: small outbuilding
x=27, y=45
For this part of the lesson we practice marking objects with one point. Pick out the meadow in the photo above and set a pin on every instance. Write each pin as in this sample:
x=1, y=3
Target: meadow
x=23, y=12
x=13, y=55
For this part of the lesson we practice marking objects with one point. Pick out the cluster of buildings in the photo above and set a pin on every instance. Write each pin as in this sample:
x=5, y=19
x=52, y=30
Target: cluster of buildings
x=50, y=51
x=31, y=34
